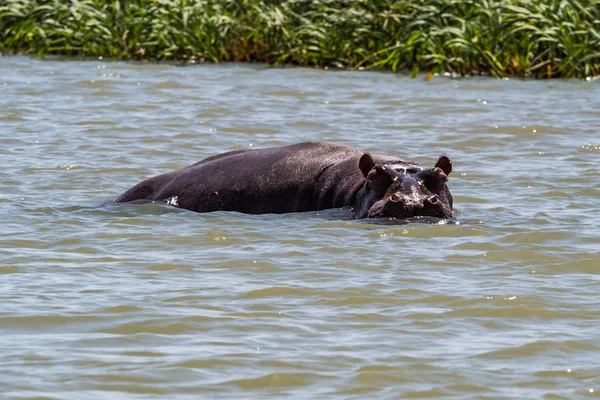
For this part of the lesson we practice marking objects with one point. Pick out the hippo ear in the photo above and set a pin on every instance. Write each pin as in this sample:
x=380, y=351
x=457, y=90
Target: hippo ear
x=445, y=164
x=366, y=164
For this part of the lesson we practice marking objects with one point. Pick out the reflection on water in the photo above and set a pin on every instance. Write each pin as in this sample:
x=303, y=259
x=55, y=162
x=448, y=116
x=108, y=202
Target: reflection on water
x=143, y=301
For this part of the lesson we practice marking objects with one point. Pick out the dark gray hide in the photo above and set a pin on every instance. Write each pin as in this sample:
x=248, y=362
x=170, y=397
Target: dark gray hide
x=303, y=177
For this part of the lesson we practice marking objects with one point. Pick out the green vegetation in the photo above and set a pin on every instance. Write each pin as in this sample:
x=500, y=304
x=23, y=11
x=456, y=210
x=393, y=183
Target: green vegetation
x=541, y=38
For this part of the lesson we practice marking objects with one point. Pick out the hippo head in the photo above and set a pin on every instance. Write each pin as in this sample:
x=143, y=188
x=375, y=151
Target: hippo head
x=405, y=193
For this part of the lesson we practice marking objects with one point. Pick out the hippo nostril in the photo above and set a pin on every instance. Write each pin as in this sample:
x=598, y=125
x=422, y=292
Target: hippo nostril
x=433, y=200
x=395, y=197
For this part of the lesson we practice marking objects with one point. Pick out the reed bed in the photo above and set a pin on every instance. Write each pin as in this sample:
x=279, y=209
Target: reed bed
x=539, y=38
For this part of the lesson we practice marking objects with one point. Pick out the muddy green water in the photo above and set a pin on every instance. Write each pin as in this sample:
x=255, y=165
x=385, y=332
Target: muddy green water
x=143, y=302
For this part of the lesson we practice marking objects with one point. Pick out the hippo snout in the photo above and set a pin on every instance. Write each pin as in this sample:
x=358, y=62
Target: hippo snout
x=402, y=206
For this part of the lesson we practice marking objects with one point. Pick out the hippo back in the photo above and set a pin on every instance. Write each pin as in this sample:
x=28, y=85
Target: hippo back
x=272, y=180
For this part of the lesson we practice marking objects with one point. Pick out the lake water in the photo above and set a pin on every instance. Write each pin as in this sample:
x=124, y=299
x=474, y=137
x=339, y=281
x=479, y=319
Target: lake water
x=129, y=301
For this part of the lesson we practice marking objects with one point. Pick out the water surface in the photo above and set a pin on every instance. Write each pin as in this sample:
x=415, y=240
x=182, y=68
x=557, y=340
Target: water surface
x=126, y=301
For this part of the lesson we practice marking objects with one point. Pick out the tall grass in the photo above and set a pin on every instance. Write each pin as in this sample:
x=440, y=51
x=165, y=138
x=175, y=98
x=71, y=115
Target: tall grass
x=541, y=38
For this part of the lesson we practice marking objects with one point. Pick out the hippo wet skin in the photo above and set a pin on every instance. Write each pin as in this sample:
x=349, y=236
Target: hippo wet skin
x=307, y=176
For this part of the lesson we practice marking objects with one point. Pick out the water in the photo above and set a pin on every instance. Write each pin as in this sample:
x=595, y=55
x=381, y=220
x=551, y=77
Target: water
x=125, y=301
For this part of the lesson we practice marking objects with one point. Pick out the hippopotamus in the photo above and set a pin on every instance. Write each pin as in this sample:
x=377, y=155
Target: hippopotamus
x=308, y=176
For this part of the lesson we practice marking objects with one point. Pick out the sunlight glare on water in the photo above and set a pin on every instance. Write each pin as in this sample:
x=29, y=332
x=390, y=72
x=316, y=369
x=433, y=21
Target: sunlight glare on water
x=151, y=301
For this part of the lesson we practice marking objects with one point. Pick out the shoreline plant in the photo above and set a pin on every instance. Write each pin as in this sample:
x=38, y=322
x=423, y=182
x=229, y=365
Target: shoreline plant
x=522, y=38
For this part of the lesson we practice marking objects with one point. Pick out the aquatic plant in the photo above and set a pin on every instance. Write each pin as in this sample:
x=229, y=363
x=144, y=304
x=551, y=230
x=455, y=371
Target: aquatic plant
x=541, y=38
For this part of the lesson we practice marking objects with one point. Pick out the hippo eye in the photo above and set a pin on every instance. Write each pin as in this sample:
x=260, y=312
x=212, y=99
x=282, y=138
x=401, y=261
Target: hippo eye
x=395, y=197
